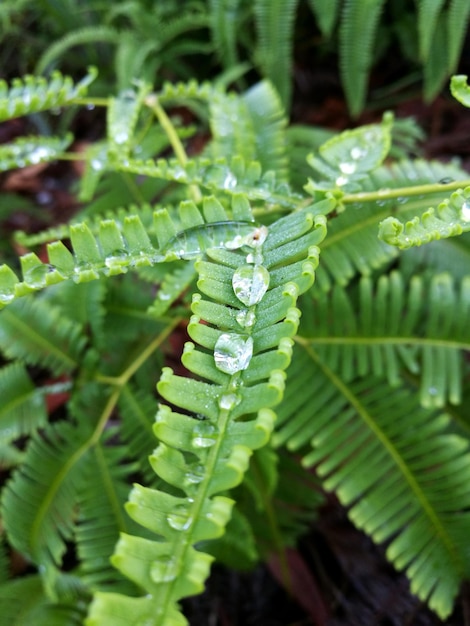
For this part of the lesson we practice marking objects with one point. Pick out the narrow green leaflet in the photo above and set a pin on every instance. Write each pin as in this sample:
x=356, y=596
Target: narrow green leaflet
x=460, y=89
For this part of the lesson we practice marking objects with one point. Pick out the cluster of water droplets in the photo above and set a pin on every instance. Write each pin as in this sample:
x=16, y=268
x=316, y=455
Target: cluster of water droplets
x=233, y=351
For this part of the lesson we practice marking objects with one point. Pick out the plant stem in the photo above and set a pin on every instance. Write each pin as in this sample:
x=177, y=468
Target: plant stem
x=401, y=192
x=175, y=142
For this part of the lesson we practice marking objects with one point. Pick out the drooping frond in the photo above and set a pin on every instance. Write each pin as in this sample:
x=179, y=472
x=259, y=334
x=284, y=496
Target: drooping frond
x=38, y=503
x=275, y=24
x=171, y=288
x=242, y=325
x=82, y=36
x=32, y=150
x=22, y=408
x=36, y=333
x=450, y=218
x=326, y=14
x=32, y=93
x=23, y=603
x=393, y=463
x=359, y=23
x=391, y=326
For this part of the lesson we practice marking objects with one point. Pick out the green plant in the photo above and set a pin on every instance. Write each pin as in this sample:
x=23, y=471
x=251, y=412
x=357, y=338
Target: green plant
x=375, y=395
x=158, y=41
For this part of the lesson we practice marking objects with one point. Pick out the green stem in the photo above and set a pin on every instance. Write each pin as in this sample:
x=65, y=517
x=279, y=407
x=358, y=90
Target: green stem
x=402, y=192
x=175, y=142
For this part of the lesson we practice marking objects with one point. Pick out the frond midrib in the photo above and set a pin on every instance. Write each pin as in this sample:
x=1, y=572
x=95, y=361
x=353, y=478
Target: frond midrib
x=372, y=425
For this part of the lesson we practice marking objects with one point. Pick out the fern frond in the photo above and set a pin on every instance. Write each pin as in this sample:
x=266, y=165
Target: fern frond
x=102, y=495
x=252, y=127
x=392, y=326
x=34, y=93
x=38, y=503
x=435, y=70
x=224, y=19
x=326, y=14
x=232, y=176
x=428, y=15
x=121, y=120
x=352, y=244
x=23, y=602
x=243, y=347
x=32, y=150
x=348, y=158
x=82, y=36
x=450, y=218
x=359, y=22
x=393, y=463
x=36, y=333
x=457, y=24
x=274, y=24
x=22, y=409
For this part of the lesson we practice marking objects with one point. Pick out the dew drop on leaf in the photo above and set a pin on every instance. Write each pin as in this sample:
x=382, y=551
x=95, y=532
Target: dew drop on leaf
x=232, y=352
x=465, y=212
x=164, y=570
x=250, y=283
x=245, y=318
x=179, y=518
x=228, y=401
x=204, y=435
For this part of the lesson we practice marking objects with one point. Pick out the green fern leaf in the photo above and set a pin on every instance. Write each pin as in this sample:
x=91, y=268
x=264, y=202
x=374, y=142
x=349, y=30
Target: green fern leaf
x=32, y=94
x=174, y=284
x=22, y=410
x=435, y=69
x=23, y=603
x=121, y=120
x=224, y=16
x=326, y=14
x=457, y=24
x=32, y=150
x=428, y=16
x=36, y=333
x=243, y=346
x=252, y=127
x=391, y=326
x=451, y=218
x=393, y=463
x=359, y=22
x=39, y=502
x=274, y=24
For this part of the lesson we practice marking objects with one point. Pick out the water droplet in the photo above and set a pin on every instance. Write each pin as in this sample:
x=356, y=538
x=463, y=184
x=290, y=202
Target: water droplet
x=465, y=212
x=194, y=476
x=90, y=107
x=40, y=153
x=232, y=352
x=341, y=180
x=250, y=283
x=446, y=180
x=179, y=518
x=204, y=435
x=121, y=137
x=347, y=168
x=6, y=297
x=164, y=570
x=228, y=401
x=432, y=391
x=230, y=181
x=97, y=165
x=358, y=153
x=246, y=318
x=36, y=277
x=117, y=260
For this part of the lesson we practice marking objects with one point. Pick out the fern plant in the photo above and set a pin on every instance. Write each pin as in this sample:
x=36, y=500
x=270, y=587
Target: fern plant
x=309, y=337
